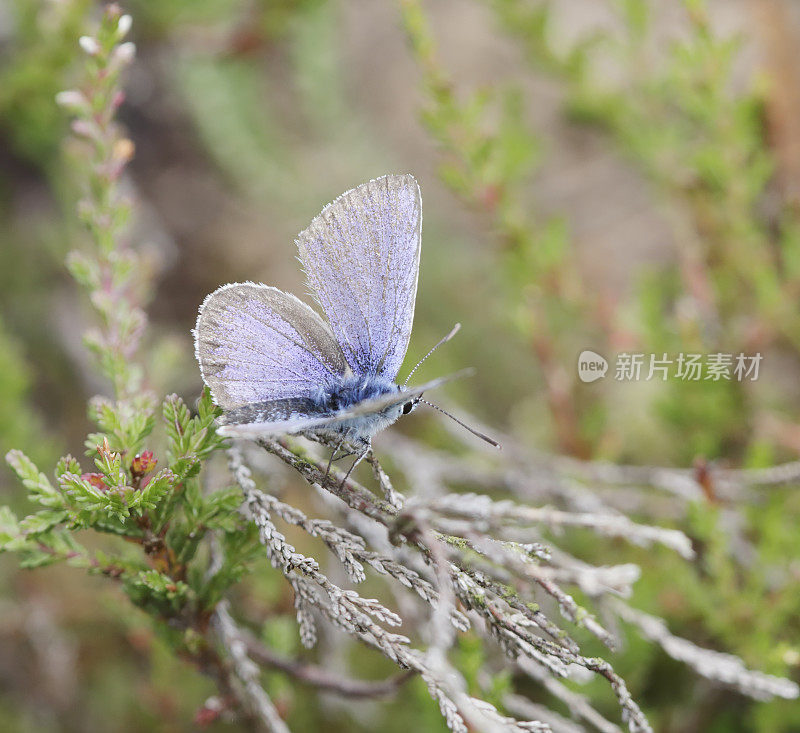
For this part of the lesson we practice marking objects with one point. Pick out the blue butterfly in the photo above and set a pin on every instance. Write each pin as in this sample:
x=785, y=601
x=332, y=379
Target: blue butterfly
x=276, y=367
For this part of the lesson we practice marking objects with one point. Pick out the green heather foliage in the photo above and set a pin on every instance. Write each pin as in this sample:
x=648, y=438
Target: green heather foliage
x=142, y=487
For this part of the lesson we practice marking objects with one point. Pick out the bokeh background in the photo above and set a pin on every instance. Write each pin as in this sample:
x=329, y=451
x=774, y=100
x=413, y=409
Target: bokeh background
x=620, y=175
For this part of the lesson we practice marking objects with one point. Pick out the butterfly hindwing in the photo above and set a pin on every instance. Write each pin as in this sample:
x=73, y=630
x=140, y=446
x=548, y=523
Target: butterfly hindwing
x=361, y=257
x=271, y=411
x=257, y=343
x=250, y=422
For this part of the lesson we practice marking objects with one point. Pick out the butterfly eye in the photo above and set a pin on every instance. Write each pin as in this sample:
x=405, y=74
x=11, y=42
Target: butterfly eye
x=407, y=407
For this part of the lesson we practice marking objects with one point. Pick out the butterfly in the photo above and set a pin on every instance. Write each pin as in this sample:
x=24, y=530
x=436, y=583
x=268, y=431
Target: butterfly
x=275, y=366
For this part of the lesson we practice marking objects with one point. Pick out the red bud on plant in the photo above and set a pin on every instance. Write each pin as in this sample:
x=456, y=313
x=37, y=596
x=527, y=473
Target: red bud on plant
x=96, y=480
x=143, y=463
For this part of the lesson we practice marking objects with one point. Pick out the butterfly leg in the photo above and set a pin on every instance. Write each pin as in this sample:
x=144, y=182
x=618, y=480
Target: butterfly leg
x=330, y=461
x=361, y=457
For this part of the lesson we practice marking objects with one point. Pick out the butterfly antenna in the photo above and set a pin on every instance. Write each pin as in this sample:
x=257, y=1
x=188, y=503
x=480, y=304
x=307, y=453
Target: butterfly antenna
x=463, y=425
x=443, y=341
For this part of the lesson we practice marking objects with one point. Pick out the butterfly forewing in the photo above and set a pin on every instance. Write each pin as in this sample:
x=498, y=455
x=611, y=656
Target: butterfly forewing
x=257, y=343
x=361, y=257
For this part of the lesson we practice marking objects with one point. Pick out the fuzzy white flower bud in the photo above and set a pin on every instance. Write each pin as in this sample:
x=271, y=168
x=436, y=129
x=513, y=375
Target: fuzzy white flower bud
x=124, y=25
x=71, y=99
x=124, y=53
x=89, y=45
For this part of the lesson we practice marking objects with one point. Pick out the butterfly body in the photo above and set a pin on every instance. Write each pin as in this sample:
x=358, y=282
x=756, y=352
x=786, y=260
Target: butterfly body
x=352, y=391
x=328, y=402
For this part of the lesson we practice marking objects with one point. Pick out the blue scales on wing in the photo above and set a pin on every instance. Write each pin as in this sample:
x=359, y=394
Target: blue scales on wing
x=257, y=344
x=361, y=258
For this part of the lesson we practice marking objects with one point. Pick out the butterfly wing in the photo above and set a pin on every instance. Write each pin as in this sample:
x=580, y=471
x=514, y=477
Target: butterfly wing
x=257, y=343
x=361, y=258
x=254, y=420
x=281, y=411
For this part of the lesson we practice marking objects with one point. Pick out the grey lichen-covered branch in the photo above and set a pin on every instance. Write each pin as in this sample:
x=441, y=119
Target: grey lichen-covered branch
x=713, y=665
x=361, y=617
x=246, y=673
x=497, y=514
x=474, y=573
x=506, y=616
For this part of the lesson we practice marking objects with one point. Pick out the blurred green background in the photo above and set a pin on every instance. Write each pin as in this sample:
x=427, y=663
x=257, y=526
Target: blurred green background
x=618, y=175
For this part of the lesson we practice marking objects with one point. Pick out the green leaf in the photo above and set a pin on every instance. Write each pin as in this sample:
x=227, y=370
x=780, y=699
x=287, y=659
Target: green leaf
x=88, y=501
x=221, y=509
x=153, y=590
x=37, y=558
x=92, y=441
x=186, y=467
x=103, y=414
x=67, y=464
x=52, y=547
x=192, y=435
x=176, y=417
x=158, y=488
x=85, y=270
x=239, y=548
x=9, y=528
x=110, y=465
x=43, y=521
x=197, y=438
x=81, y=490
x=64, y=543
x=125, y=425
x=207, y=411
x=40, y=488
